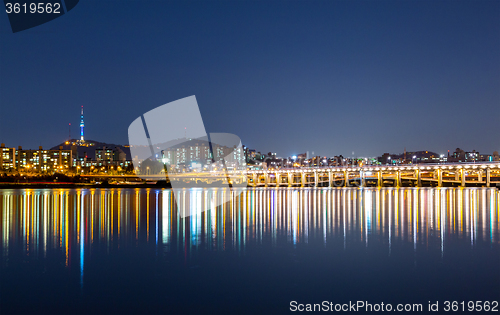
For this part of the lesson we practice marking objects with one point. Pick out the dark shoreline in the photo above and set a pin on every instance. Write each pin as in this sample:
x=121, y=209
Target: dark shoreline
x=79, y=185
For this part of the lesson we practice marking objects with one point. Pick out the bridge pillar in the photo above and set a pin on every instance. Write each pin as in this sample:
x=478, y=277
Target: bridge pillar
x=330, y=179
x=488, y=175
x=361, y=179
x=480, y=176
x=290, y=179
x=462, y=173
x=254, y=179
x=302, y=179
x=398, y=180
x=380, y=179
x=266, y=179
x=316, y=179
x=456, y=175
x=440, y=177
x=278, y=179
x=346, y=179
x=419, y=178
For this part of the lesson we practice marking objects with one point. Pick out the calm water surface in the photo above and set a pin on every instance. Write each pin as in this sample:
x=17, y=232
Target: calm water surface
x=129, y=250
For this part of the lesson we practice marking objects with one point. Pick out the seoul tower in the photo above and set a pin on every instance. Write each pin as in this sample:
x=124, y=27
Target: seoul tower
x=81, y=127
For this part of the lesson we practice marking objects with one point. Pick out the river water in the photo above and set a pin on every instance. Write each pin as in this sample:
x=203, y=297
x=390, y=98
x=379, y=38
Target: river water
x=163, y=251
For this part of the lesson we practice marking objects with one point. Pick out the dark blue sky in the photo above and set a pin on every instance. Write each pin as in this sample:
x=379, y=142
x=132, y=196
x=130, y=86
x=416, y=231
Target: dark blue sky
x=331, y=77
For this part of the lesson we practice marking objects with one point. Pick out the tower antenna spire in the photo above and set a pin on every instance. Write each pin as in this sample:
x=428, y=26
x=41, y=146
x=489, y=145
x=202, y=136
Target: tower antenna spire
x=82, y=124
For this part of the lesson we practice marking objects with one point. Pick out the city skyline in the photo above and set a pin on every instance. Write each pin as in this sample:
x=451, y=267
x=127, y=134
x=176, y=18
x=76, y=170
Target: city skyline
x=336, y=78
x=307, y=152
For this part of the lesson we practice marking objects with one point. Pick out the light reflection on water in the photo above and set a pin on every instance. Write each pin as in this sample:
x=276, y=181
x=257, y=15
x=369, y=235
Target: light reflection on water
x=81, y=249
x=61, y=219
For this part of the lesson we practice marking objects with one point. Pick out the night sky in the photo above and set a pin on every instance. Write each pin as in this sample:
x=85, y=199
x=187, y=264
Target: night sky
x=333, y=77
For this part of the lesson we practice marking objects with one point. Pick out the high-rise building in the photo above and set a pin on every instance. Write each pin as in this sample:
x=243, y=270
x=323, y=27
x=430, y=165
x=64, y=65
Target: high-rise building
x=44, y=160
x=199, y=153
x=7, y=157
x=107, y=155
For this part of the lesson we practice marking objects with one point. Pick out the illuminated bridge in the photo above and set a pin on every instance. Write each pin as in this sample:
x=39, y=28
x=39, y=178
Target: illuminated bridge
x=485, y=174
x=478, y=174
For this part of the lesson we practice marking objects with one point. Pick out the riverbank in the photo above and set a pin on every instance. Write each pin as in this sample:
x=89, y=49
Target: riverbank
x=59, y=185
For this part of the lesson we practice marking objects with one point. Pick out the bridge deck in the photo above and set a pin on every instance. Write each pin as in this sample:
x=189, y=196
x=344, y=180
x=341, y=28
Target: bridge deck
x=486, y=174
